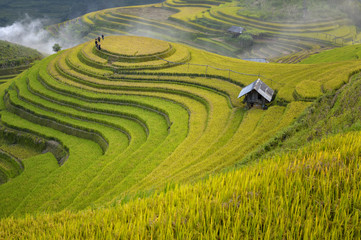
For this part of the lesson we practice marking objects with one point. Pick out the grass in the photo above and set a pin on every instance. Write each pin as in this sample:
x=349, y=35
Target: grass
x=14, y=59
x=136, y=126
x=187, y=13
x=153, y=138
x=231, y=14
x=299, y=195
x=217, y=44
x=170, y=130
x=88, y=53
x=10, y=166
x=14, y=55
x=178, y=55
x=198, y=24
x=145, y=25
x=132, y=133
x=335, y=55
x=186, y=21
x=308, y=89
x=20, y=151
x=74, y=62
x=140, y=47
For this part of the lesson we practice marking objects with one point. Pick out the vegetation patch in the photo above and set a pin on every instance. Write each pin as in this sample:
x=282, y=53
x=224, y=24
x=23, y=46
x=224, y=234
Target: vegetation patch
x=139, y=46
x=308, y=89
x=305, y=181
x=335, y=55
x=150, y=140
x=14, y=59
x=130, y=130
x=12, y=55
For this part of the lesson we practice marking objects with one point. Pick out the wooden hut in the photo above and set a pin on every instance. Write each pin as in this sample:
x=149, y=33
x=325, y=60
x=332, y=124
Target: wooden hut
x=257, y=93
x=235, y=31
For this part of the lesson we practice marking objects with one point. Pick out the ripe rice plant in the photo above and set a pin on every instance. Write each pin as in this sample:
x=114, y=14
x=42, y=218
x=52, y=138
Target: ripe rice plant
x=187, y=21
x=140, y=46
x=147, y=138
x=296, y=195
x=308, y=90
x=130, y=131
x=187, y=13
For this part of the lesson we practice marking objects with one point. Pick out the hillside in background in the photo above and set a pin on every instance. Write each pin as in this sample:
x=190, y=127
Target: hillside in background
x=300, y=10
x=292, y=189
x=145, y=137
x=56, y=11
x=205, y=24
x=14, y=59
x=133, y=118
x=335, y=55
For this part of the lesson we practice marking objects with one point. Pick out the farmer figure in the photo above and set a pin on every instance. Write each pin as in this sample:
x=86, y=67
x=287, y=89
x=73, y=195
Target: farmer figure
x=98, y=39
x=103, y=36
x=96, y=43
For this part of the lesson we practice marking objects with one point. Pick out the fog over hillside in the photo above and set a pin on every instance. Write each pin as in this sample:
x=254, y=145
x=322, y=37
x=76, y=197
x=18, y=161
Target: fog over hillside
x=31, y=33
x=307, y=10
x=23, y=21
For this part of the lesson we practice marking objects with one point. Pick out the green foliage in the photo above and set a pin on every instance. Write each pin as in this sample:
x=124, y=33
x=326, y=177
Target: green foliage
x=55, y=11
x=14, y=59
x=56, y=47
x=308, y=90
x=276, y=10
x=245, y=40
x=130, y=132
x=333, y=113
x=311, y=193
x=204, y=24
x=134, y=128
x=335, y=55
x=144, y=122
x=12, y=55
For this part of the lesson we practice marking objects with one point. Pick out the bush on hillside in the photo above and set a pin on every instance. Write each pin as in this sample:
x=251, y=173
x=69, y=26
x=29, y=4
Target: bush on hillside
x=245, y=40
x=56, y=47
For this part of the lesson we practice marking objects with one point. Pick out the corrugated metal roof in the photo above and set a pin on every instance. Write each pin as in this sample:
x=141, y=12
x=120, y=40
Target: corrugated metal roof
x=236, y=29
x=260, y=87
x=247, y=89
x=260, y=60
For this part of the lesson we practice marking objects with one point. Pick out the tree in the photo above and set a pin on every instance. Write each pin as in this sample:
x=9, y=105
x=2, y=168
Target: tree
x=245, y=40
x=56, y=47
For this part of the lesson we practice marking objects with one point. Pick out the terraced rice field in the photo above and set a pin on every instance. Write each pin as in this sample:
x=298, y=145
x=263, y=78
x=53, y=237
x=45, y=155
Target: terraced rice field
x=133, y=118
x=290, y=37
x=14, y=59
x=204, y=25
x=297, y=195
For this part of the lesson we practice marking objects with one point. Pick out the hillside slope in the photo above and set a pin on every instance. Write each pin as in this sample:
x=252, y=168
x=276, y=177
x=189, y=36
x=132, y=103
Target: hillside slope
x=56, y=11
x=132, y=118
x=205, y=24
x=15, y=58
x=313, y=192
x=335, y=55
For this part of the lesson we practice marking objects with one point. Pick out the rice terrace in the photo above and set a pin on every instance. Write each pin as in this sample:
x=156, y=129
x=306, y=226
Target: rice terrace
x=150, y=123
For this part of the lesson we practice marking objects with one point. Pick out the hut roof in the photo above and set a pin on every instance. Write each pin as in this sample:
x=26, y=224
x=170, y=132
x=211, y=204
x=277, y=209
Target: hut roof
x=260, y=87
x=260, y=60
x=235, y=29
